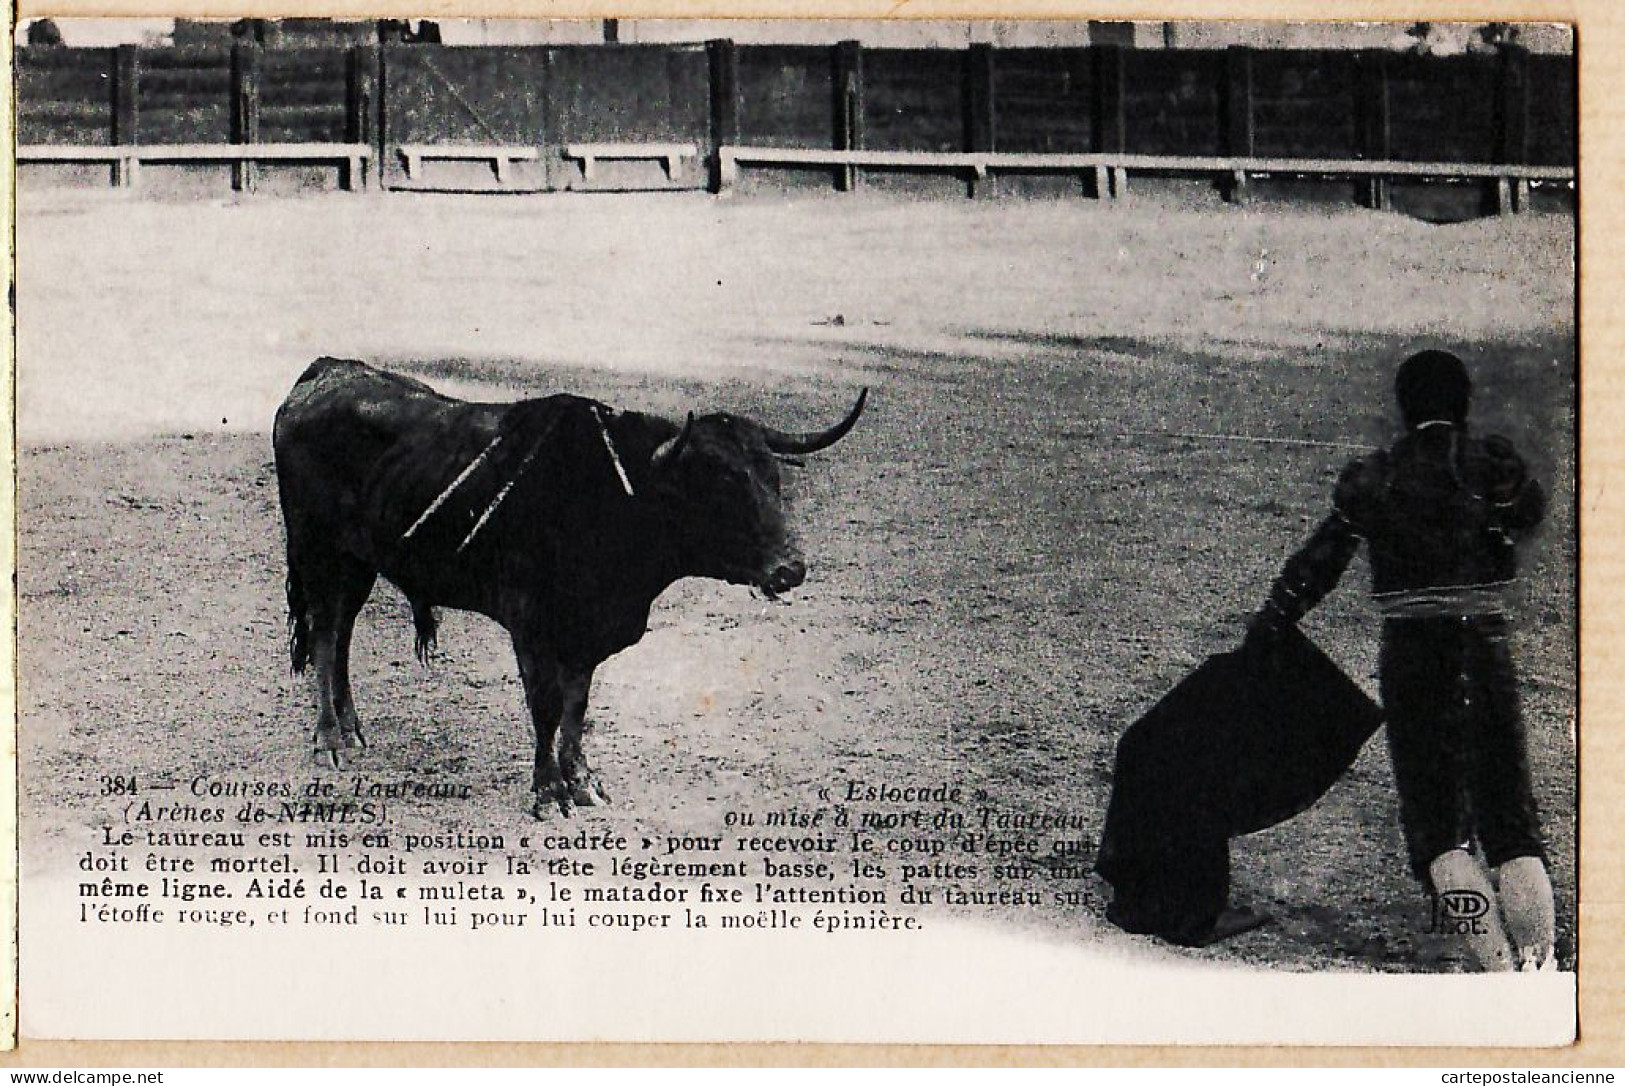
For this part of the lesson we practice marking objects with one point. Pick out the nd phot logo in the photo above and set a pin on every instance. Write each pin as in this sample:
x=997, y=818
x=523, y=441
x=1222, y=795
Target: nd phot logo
x=1459, y=912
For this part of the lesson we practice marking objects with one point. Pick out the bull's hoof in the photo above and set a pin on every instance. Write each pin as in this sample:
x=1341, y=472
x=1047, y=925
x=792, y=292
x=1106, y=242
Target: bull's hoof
x=547, y=800
x=349, y=729
x=589, y=791
x=334, y=740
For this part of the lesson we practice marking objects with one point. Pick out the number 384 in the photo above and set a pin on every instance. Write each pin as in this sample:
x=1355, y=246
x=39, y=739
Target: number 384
x=119, y=785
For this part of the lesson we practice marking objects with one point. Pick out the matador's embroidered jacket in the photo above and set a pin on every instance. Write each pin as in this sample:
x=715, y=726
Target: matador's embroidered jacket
x=1441, y=512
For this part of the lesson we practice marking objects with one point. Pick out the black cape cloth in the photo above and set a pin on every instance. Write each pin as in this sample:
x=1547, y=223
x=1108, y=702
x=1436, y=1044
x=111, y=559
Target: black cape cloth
x=1246, y=741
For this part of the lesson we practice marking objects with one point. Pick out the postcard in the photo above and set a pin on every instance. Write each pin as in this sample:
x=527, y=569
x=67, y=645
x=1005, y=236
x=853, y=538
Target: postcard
x=919, y=532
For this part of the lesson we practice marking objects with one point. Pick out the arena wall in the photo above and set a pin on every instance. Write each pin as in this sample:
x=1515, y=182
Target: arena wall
x=1501, y=106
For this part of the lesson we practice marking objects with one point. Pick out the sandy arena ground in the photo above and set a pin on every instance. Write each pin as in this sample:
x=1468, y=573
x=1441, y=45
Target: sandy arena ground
x=1006, y=568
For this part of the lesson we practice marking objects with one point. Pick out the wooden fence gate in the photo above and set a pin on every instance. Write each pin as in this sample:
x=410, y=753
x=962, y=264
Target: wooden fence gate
x=543, y=118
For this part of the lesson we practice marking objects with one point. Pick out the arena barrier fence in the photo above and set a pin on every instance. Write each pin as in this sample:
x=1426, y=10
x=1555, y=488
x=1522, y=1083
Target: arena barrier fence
x=700, y=116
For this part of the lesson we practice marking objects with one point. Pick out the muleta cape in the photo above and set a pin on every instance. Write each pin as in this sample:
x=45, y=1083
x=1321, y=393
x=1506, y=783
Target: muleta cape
x=1248, y=740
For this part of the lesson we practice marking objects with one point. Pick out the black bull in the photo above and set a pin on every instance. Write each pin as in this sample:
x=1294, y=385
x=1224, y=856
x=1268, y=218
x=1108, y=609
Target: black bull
x=559, y=518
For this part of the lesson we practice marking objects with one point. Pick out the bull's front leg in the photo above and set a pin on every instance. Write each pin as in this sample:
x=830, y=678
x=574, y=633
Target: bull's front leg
x=330, y=736
x=544, y=696
x=585, y=787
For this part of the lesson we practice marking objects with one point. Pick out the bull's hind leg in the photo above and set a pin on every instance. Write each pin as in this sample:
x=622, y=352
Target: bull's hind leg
x=334, y=594
x=351, y=601
x=585, y=787
x=425, y=625
x=539, y=671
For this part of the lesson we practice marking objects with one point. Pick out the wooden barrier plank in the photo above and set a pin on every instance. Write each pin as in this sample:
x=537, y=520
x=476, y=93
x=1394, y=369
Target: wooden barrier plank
x=381, y=131
x=785, y=95
x=50, y=152
x=1305, y=103
x=1238, y=116
x=1111, y=171
x=1173, y=101
x=551, y=136
x=1110, y=134
x=631, y=93
x=1005, y=160
x=360, y=90
x=915, y=99
x=1375, y=124
x=1512, y=127
x=1553, y=104
x=61, y=58
x=1044, y=99
x=1378, y=100
x=245, y=112
x=671, y=155
x=186, y=57
x=726, y=103
x=848, y=108
x=126, y=110
x=185, y=152
x=501, y=156
x=981, y=114
x=127, y=159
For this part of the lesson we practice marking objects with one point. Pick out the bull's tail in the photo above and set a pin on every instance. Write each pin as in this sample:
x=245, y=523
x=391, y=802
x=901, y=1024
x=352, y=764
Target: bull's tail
x=298, y=624
x=426, y=623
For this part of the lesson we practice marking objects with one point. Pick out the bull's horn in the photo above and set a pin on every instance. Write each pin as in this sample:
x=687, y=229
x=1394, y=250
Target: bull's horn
x=669, y=451
x=781, y=442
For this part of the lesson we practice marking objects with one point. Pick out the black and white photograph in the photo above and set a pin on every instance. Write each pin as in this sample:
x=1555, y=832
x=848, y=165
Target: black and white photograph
x=949, y=532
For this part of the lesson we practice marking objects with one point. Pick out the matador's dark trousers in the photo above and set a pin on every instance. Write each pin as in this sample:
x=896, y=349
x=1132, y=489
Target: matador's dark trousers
x=1456, y=735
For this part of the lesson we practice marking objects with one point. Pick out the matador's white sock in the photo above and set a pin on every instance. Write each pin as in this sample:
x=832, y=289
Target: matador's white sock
x=1486, y=940
x=1531, y=912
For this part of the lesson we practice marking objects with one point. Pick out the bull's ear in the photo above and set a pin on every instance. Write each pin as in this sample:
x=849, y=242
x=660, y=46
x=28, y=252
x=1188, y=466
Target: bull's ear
x=669, y=451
